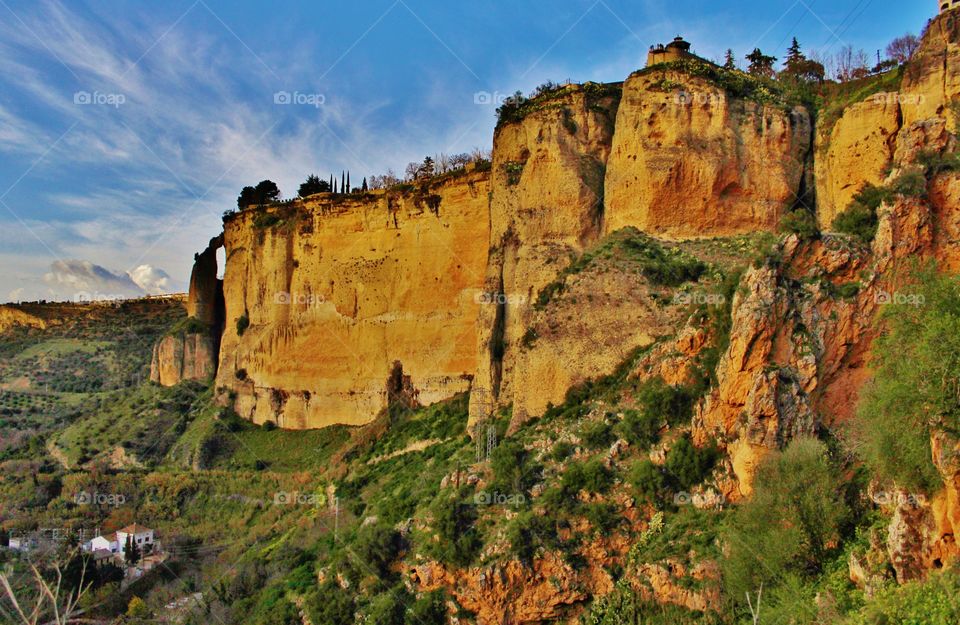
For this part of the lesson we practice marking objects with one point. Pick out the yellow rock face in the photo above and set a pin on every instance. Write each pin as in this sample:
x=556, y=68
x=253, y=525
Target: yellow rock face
x=336, y=292
x=547, y=206
x=932, y=79
x=183, y=357
x=323, y=299
x=857, y=150
x=694, y=162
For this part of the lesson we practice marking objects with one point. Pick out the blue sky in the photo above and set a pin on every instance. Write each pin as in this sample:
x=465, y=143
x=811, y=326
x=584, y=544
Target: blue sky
x=127, y=128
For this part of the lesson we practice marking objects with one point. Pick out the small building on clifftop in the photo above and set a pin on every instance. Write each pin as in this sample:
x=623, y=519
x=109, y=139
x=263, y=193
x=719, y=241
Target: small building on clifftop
x=946, y=5
x=676, y=50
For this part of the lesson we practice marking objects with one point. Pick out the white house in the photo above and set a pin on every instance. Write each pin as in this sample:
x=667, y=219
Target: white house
x=105, y=543
x=142, y=537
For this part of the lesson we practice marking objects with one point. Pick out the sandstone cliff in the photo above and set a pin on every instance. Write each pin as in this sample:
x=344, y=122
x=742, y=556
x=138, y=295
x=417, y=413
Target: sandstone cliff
x=931, y=82
x=854, y=151
x=690, y=160
x=323, y=298
x=183, y=356
x=547, y=205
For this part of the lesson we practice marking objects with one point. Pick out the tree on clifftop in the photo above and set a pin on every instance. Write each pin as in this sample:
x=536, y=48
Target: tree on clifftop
x=761, y=64
x=265, y=192
x=268, y=191
x=798, y=66
x=730, y=62
x=903, y=48
x=313, y=185
x=248, y=197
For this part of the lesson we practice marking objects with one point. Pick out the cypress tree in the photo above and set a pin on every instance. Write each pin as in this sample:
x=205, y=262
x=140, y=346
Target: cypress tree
x=348, y=182
x=730, y=62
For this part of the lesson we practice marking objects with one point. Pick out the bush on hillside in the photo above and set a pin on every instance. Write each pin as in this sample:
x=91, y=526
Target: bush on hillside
x=454, y=521
x=917, y=363
x=791, y=525
x=800, y=222
x=688, y=465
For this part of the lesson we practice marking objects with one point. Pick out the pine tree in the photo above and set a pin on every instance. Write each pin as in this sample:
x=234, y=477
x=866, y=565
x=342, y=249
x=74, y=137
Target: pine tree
x=761, y=64
x=730, y=62
x=794, y=55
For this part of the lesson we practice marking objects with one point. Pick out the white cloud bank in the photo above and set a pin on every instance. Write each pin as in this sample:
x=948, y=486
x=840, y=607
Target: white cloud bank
x=82, y=280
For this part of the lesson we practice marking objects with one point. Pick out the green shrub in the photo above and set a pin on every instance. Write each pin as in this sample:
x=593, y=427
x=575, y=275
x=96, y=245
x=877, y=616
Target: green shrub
x=800, y=222
x=688, y=465
x=562, y=450
x=649, y=480
x=933, y=602
x=792, y=523
x=626, y=605
x=331, y=604
x=528, y=534
x=735, y=82
x=265, y=220
x=429, y=609
x=389, y=608
x=514, y=468
x=603, y=517
x=934, y=163
x=917, y=360
x=858, y=221
x=454, y=521
x=188, y=325
x=378, y=546
x=596, y=434
x=673, y=404
x=640, y=428
x=514, y=171
x=590, y=476
x=911, y=183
